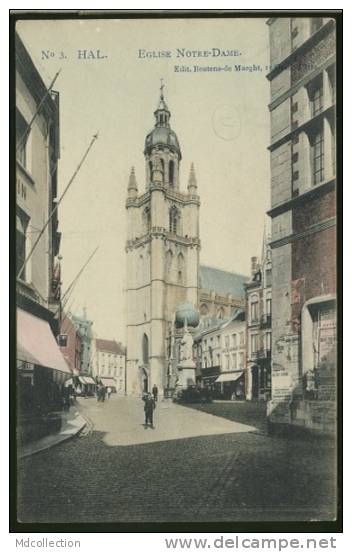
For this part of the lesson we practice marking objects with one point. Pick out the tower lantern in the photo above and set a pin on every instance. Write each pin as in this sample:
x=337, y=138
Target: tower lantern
x=162, y=144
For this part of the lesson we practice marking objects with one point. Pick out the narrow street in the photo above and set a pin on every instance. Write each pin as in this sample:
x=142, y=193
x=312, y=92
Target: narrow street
x=193, y=466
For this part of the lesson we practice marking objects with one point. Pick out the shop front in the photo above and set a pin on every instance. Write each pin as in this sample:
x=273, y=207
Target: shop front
x=260, y=380
x=109, y=382
x=41, y=375
x=85, y=386
x=232, y=385
x=208, y=379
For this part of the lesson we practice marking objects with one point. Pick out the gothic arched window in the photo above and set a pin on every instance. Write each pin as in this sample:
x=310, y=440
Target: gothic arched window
x=150, y=170
x=180, y=268
x=221, y=313
x=169, y=258
x=145, y=349
x=171, y=172
x=162, y=168
x=173, y=219
x=204, y=310
x=147, y=219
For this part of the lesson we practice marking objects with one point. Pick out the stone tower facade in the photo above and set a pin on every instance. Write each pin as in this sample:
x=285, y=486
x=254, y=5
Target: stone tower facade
x=162, y=254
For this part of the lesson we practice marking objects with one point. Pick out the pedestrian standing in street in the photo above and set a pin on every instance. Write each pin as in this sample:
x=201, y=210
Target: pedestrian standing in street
x=66, y=398
x=155, y=392
x=149, y=406
x=108, y=392
x=103, y=393
x=100, y=391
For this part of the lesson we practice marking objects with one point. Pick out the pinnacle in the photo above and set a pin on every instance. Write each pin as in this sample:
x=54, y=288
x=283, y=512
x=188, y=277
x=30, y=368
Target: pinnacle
x=192, y=181
x=132, y=182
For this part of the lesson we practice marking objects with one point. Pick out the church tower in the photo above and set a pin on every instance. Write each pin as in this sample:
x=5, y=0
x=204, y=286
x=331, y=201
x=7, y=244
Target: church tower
x=162, y=254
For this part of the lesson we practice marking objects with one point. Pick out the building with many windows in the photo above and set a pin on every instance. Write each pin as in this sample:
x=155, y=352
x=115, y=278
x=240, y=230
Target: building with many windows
x=41, y=368
x=84, y=329
x=110, y=362
x=258, y=308
x=220, y=354
x=303, y=180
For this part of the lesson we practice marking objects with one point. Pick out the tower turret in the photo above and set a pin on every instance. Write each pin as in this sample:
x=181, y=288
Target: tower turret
x=132, y=185
x=161, y=149
x=192, y=181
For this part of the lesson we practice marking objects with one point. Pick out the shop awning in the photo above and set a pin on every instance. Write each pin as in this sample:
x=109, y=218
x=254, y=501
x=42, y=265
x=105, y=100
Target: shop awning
x=209, y=379
x=36, y=343
x=108, y=382
x=86, y=380
x=229, y=376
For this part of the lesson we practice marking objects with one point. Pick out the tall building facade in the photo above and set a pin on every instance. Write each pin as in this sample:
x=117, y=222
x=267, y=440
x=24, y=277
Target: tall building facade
x=162, y=253
x=259, y=339
x=41, y=368
x=302, y=108
x=84, y=329
x=70, y=343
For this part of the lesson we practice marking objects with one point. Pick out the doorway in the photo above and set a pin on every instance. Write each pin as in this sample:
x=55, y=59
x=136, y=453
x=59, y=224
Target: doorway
x=255, y=382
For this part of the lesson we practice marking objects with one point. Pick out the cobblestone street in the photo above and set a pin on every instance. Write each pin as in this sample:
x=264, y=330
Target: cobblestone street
x=194, y=466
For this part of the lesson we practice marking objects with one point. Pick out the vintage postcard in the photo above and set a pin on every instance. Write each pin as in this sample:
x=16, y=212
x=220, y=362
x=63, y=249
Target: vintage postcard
x=175, y=219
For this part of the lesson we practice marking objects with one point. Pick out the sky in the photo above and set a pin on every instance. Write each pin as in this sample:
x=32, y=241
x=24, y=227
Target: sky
x=221, y=119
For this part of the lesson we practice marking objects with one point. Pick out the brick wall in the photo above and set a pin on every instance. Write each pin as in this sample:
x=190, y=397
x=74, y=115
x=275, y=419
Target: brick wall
x=313, y=211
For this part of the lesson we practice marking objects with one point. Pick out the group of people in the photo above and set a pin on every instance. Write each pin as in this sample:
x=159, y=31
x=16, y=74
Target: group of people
x=103, y=392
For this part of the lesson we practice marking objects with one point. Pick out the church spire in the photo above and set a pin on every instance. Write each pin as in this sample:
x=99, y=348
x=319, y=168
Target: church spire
x=192, y=181
x=162, y=113
x=132, y=184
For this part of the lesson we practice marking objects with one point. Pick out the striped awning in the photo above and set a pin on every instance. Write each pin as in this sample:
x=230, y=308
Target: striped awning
x=108, y=382
x=229, y=376
x=36, y=343
x=86, y=380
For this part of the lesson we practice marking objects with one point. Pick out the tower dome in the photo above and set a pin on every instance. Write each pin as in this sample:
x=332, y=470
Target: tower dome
x=162, y=134
x=186, y=311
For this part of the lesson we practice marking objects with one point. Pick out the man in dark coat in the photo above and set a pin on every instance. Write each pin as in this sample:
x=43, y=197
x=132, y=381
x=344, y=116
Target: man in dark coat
x=149, y=406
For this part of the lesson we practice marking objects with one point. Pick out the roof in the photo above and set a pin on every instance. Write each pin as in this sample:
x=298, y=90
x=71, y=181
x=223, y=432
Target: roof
x=222, y=281
x=238, y=314
x=110, y=346
x=164, y=136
